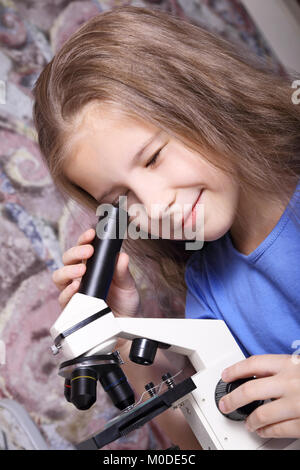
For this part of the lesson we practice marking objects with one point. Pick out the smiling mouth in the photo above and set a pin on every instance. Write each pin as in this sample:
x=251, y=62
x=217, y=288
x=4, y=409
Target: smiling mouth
x=184, y=219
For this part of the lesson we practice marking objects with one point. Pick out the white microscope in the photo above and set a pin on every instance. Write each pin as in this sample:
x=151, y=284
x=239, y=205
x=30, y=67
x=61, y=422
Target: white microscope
x=86, y=333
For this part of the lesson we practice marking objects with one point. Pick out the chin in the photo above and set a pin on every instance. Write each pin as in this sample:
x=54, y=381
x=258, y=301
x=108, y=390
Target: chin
x=215, y=233
x=210, y=234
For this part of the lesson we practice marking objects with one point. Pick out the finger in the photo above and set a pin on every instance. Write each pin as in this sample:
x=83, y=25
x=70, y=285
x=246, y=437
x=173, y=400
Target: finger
x=260, y=366
x=63, y=276
x=289, y=429
x=122, y=276
x=258, y=389
x=68, y=292
x=272, y=413
x=86, y=236
x=77, y=254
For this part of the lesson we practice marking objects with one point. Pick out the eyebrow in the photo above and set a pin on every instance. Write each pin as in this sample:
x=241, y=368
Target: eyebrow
x=137, y=156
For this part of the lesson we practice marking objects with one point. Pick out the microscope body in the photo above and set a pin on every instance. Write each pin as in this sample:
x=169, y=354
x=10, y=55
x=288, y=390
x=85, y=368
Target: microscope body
x=87, y=331
x=208, y=344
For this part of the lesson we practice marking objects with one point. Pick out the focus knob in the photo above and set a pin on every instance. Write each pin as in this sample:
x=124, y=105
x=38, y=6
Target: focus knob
x=223, y=388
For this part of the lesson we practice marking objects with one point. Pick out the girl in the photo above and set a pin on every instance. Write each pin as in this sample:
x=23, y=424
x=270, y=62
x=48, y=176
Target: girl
x=217, y=128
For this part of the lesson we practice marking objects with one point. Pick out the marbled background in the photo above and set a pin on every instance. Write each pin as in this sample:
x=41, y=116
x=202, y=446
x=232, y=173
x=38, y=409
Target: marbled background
x=38, y=224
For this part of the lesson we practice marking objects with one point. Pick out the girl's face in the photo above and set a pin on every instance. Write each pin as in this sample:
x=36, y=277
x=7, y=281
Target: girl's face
x=107, y=162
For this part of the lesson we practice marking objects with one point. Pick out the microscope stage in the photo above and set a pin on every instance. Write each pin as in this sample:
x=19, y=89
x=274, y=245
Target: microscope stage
x=137, y=416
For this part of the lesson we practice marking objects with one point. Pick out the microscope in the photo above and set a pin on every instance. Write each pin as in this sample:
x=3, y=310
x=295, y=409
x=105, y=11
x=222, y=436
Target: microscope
x=86, y=334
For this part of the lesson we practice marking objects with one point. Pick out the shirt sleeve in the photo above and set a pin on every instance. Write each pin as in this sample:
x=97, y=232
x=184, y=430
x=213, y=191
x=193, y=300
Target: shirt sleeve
x=196, y=305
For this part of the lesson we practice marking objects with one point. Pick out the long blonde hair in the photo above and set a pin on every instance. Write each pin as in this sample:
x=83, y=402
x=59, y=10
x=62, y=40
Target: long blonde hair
x=198, y=87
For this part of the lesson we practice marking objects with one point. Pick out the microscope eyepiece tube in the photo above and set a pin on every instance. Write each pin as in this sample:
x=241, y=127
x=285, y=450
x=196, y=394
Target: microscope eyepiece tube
x=107, y=244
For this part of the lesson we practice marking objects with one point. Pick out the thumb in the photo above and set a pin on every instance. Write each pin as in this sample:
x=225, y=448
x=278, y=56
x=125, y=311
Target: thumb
x=122, y=276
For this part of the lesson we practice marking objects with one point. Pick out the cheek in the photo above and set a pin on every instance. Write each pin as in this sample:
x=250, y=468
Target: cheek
x=220, y=200
x=222, y=192
x=219, y=213
x=222, y=204
x=180, y=167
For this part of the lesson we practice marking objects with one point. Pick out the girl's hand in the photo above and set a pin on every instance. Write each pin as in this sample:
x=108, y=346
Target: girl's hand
x=67, y=278
x=278, y=377
x=123, y=297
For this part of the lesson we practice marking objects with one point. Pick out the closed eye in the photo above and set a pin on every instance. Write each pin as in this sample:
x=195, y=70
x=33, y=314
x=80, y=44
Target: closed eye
x=150, y=163
x=154, y=158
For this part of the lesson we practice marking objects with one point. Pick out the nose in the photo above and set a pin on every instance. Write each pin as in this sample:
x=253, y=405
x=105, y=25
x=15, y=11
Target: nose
x=156, y=203
x=157, y=209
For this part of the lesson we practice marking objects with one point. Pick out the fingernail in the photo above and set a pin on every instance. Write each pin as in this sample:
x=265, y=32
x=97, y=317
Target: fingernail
x=222, y=406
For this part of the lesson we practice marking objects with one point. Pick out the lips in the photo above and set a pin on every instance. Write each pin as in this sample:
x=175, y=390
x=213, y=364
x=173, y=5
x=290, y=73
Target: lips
x=185, y=219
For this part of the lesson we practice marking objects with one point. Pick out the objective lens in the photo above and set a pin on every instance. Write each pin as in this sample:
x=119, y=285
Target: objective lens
x=114, y=382
x=83, y=387
x=67, y=390
x=143, y=351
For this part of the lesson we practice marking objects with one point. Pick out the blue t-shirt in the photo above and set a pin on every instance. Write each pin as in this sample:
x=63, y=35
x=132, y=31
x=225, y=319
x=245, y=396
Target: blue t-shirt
x=257, y=295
